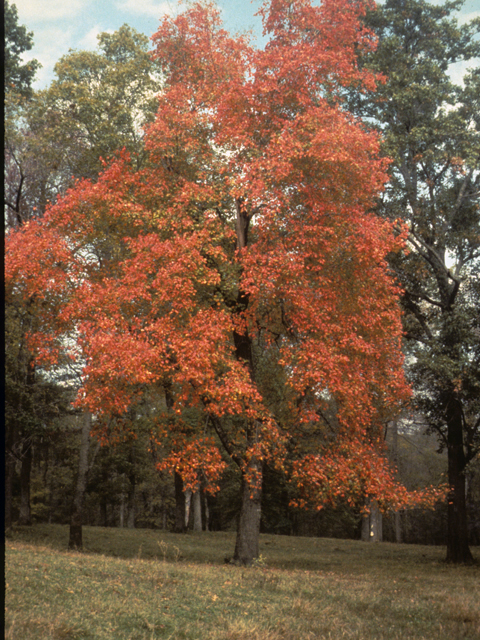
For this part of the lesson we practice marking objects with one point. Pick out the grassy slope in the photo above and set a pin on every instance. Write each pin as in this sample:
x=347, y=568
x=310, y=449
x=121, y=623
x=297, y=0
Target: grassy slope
x=140, y=584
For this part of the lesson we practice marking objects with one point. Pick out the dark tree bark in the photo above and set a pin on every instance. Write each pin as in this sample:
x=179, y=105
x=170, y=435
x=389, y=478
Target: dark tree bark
x=9, y=474
x=179, y=526
x=103, y=513
x=248, y=531
x=372, y=524
x=458, y=550
x=131, y=492
x=11, y=436
x=76, y=521
x=397, y=516
x=196, y=506
x=398, y=527
x=204, y=512
x=25, y=515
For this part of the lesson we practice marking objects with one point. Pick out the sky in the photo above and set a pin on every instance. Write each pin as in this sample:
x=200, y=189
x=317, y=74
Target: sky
x=61, y=25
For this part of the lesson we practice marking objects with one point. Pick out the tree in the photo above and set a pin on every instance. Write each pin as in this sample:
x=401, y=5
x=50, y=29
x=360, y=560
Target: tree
x=431, y=131
x=98, y=103
x=242, y=245
x=33, y=406
x=18, y=77
x=101, y=100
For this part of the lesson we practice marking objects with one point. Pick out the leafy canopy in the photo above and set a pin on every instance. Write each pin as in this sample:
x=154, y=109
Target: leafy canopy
x=18, y=77
x=242, y=249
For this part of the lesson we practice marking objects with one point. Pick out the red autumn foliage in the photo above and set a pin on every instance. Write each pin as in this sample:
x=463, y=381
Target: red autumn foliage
x=243, y=250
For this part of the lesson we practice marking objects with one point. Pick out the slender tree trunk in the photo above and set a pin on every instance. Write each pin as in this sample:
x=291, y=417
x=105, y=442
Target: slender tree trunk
x=197, y=510
x=76, y=521
x=122, y=512
x=103, y=512
x=179, y=526
x=11, y=441
x=131, y=492
x=188, y=510
x=205, y=512
x=9, y=475
x=397, y=518
x=180, y=510
x=25, y=515
x=131, y=509
x=372, y=524
x=248, y=531
x=398, y=527
x=458, y=551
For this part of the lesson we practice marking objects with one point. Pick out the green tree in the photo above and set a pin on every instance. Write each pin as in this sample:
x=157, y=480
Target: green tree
x=98, y=103
x=33, y=405
x=102, y=99
x=431, y=131
x=18, y=77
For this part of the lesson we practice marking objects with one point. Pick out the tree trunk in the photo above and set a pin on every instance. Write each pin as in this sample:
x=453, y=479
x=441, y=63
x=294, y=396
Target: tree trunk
x=131, y=491
x=131, y=510
x=11, y=440
x=398, y=527
x=248, y=531
x=372, y=524
x=122, y=512
x=9, y=475
x=197, y=510
x=103, y=512
x=179, y=526
x=76, y=521
x=188, y=510
x=458, y=550
x=25, y=515
x=397, y=517
x=205, y=512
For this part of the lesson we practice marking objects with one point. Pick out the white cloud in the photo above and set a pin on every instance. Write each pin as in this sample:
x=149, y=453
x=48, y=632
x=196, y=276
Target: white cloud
x=151, y=8
x=468, y=17
x=29, y=10
x=458, y=70
x=50, y=44
x=89, y=40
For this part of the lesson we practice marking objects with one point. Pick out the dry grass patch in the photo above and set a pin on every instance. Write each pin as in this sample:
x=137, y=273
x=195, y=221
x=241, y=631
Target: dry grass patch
x=178, y=588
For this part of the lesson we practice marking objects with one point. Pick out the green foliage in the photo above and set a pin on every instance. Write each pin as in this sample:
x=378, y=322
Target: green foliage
x=18, y=77
x=34, y=406
x=103, y=99
x=432, y=133
x=98, y=104
x=431, y=130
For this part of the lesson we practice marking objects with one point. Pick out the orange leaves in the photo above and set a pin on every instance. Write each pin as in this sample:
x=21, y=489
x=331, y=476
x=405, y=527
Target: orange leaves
x=240, y=262
x=313, y=46
x=195, y=459
x=356, y=473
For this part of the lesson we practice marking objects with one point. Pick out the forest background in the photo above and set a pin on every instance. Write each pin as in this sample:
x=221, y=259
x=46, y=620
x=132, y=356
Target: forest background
x=46, y=146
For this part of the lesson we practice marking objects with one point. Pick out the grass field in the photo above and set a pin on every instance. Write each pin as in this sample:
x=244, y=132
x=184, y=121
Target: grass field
x=143, y=585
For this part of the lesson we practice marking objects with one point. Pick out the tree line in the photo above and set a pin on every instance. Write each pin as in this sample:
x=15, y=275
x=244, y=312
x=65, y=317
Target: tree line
x=221, y=277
